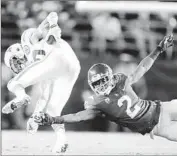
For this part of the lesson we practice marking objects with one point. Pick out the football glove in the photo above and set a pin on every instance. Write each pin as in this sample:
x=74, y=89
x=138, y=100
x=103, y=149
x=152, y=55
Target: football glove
x=43, y=119
x=166, y=43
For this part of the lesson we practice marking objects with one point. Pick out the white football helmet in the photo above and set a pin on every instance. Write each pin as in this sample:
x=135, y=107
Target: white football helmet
x=15, y=58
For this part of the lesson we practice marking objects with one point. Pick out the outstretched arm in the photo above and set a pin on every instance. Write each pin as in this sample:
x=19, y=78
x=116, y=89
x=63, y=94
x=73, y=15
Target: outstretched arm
x=48, y=29
x=46, y=119
x=147, y=62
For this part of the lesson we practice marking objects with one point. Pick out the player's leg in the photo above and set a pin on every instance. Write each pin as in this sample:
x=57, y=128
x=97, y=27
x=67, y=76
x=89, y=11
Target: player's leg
x=58, y=98
x=167, y=126
x=61, y=140
x=32, y=126
x=48, y=68
x=51, y=67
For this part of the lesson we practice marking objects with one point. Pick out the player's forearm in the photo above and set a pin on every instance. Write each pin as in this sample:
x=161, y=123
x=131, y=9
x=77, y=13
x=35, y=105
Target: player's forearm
x=154, y=54
x=42, y=30
x=149, y=60
x=36, y=37
x=70, y=118
x=144, y=66
x=73, y=118
x=54, y=34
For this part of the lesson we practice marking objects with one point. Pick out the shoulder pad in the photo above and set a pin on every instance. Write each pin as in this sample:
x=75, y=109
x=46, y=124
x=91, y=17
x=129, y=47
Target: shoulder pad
x=120, y=79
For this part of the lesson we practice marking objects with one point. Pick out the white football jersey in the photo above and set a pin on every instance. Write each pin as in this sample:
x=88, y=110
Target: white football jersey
x=58, y=89
x=33, y=51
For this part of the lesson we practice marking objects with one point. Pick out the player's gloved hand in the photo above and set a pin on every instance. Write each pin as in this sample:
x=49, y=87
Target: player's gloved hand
x=54, y=32
x=52, y=19
x=32, y=126
x=43, y=119
x=166, y=43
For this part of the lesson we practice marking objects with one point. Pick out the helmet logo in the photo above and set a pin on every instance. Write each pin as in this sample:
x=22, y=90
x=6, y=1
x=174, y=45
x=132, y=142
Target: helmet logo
x=26, y=49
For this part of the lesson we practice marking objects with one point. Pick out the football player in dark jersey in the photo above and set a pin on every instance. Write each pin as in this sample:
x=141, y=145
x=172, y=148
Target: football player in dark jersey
x=115, y=100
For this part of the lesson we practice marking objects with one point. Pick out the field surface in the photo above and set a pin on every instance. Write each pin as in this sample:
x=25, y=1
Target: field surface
x=86, y=143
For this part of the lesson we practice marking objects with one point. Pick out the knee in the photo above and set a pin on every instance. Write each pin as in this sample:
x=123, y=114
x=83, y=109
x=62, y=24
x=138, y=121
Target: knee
x=12, y=85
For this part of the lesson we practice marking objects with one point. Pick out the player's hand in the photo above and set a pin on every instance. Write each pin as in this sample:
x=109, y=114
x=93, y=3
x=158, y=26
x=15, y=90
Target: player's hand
x=43, y=119
x=32, y=126
x=54, y=30
x=52, y=19
x=166, y=43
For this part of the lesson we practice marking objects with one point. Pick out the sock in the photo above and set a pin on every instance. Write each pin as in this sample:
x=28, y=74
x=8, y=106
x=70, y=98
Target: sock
x=60, y=132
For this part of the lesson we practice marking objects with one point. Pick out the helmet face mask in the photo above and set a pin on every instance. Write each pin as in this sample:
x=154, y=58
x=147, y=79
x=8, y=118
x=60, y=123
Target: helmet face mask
x=17, y=64
x=15, y=58
x=100, y=78
x=100, y=86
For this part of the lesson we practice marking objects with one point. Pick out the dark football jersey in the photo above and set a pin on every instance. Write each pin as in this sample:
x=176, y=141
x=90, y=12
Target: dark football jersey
x=124, y=107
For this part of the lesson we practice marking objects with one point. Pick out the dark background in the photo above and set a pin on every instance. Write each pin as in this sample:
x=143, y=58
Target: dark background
x=119, y=38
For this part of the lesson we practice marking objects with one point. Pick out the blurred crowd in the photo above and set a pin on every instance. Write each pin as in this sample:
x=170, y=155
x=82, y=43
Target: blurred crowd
x=101, y=36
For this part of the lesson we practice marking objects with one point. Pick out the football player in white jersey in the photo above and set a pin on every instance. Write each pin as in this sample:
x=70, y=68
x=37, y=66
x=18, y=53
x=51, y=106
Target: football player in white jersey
x=43, y=57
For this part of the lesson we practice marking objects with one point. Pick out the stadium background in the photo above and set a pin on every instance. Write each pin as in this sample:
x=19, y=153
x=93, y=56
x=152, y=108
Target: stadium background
x=118, y=38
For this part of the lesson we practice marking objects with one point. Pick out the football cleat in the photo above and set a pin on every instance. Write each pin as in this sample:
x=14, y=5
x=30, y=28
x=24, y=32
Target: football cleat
x=32, y=126
x=13, y=105
x=62, y=149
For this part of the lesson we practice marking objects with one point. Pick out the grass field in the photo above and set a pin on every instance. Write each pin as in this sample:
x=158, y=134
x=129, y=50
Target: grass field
x=85, y=143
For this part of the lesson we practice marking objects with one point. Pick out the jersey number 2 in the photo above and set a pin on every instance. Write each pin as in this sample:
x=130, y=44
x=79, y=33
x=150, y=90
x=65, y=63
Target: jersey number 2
x=127, y=99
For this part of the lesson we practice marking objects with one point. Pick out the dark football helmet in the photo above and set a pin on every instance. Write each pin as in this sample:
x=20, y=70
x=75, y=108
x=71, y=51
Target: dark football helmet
x=100, y=78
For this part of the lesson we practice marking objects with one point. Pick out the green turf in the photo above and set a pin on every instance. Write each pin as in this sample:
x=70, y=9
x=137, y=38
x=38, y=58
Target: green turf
x=83, y=143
